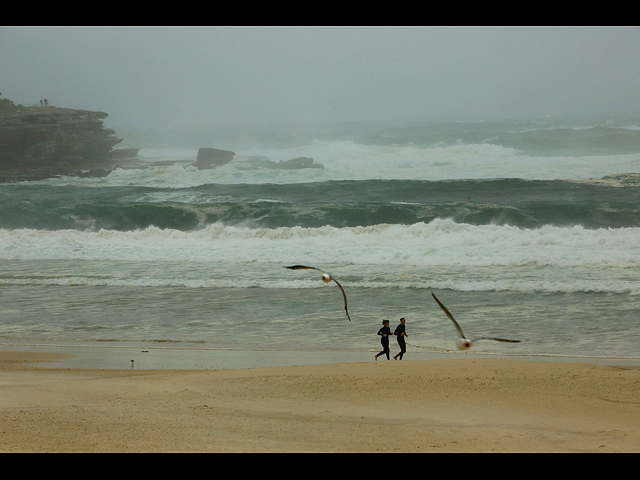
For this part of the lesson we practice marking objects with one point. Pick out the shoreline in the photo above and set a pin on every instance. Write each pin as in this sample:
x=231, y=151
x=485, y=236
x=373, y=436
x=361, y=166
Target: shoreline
x=174, y=358
x=440, y=405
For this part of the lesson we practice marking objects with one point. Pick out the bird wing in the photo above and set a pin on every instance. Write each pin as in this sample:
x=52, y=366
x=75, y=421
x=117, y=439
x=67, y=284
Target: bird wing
x=497, y=339
x=298, y=267
x=345, y=297
x=449, y=315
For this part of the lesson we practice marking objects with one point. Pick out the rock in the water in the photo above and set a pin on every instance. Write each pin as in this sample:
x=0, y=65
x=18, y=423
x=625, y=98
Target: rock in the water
x=212, y=157
x=298, y=162
x=93, y=173
x=293, y=164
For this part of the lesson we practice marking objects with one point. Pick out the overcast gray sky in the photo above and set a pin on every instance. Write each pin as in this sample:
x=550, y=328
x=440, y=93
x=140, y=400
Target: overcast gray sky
x=184, y=77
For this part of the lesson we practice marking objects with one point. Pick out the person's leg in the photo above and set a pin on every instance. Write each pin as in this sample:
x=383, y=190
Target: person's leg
x=385, y=347
x=399, y=354
x=403, y=347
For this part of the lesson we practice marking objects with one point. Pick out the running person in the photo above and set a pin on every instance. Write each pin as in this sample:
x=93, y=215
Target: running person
x=384, y=333
x=400, y=333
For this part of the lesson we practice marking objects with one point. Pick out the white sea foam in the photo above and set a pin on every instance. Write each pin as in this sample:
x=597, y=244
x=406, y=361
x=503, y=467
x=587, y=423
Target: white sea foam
x=346, y=160
x=440, y=242
x=454, y=281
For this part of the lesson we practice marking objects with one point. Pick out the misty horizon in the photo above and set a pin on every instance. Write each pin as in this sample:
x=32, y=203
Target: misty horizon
x=200, y=78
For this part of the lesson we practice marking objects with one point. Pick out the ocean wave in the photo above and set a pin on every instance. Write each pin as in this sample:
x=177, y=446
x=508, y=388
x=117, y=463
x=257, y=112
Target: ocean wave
x=609, y=203
x=439, y=242
x=534, y=286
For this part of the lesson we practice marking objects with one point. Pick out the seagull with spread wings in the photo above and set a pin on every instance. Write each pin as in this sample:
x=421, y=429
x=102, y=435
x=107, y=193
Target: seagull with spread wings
x=326, y=278
x=462, y=342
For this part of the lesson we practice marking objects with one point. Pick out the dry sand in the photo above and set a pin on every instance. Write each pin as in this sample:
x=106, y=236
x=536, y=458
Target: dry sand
x=450, y=405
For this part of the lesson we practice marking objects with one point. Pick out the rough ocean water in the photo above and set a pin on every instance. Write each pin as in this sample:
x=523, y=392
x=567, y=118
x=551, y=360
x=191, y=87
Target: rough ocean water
x=526, y=230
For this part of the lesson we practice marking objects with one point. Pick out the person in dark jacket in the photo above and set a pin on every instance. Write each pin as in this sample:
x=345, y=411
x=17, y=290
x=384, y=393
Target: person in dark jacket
x=400, y=333
x=384, y=332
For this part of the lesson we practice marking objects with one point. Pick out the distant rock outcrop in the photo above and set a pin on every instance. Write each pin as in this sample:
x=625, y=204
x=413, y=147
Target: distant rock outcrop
x=293, y=164
x=212, y=157
x=40, y=142
x=298, y=162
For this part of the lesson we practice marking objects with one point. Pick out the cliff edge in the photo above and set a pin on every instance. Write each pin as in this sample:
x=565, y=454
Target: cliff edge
x=41, y=142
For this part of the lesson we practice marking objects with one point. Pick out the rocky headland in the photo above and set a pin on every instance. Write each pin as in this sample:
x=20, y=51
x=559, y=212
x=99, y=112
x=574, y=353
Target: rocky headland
x=47, y=141
x=40, y=142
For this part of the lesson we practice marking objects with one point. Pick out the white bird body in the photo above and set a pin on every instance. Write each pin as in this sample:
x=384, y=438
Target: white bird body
x=462, y=342
x=326, y=278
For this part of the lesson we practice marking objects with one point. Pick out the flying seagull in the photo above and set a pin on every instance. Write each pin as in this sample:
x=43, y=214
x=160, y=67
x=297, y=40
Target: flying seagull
x=462, y=342
x=326, y=278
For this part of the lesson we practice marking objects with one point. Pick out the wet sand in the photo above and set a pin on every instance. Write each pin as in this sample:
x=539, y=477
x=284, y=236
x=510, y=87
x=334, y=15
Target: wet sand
x=440, y=405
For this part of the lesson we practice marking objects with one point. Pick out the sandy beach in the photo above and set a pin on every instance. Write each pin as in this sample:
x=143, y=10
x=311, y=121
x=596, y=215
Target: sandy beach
x=442, y=405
